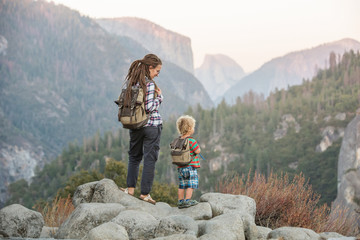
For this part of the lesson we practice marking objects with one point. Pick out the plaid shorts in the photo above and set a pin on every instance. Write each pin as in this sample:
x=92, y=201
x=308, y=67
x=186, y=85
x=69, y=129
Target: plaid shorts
x=188, y=177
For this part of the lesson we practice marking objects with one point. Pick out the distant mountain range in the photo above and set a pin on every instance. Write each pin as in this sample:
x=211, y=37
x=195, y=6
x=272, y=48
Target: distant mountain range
x=60, y=72
x=218, y=73
x=59, y=75
x=289, y=70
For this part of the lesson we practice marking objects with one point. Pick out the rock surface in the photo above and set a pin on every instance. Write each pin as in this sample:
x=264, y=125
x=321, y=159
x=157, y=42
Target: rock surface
x=171, y=46
x=105, y=212
x=18, y=162
x=3, y=45
x=224, y=203
x=86, y=217
x=287, y=121
x=293, y=233
x=48, y=232
x=18, y=221
x=329, y=135
x=218, y=73
x=176, y=224
x=227, y=226
x=349, y=167
x=139, y=225
x=107, y=230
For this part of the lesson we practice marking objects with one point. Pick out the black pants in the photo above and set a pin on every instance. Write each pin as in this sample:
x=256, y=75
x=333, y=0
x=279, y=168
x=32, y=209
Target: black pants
x=144, y=142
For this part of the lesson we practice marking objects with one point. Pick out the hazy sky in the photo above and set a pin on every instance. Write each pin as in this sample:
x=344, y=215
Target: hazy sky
x=251, y=32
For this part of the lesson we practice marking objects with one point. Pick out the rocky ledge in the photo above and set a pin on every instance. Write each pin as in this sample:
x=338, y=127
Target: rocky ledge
x=104, y=212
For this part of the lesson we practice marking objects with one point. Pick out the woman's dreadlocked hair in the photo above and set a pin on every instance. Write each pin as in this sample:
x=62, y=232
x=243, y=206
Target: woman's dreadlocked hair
x=138, y=70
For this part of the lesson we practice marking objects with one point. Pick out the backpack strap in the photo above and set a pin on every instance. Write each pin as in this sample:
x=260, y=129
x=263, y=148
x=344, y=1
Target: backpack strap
x=179, y=143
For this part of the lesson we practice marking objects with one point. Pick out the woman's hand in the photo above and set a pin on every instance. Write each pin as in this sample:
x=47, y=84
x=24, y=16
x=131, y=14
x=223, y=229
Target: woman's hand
x=158, y=91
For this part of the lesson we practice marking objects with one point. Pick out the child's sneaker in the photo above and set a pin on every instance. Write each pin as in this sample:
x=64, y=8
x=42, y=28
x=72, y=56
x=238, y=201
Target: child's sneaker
x=183, y=204
x=192, y=202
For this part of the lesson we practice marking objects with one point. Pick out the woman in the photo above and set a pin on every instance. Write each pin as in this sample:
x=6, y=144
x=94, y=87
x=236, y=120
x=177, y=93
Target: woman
x=145, y=141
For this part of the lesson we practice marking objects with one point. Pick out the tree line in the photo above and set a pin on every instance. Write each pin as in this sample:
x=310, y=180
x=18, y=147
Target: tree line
x=235, y=139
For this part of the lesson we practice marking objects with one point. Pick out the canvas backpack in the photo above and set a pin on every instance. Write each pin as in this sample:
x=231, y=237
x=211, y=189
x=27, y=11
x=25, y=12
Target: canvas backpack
x=180, y=151
x=133, y=115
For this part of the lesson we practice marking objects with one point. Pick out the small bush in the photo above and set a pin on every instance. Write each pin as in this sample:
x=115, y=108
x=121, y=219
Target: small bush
x=78, y=179
x=116, y=171
x=56, y=212
x=163, y=192
x=281, y=202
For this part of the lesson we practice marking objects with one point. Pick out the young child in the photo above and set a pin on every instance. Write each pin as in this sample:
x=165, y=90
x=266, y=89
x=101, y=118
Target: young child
x=188, y=176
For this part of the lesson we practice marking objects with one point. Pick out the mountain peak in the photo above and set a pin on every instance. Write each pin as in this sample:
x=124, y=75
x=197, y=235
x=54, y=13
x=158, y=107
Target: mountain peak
x=218, y=73
x=213, y=60
x=347, y=42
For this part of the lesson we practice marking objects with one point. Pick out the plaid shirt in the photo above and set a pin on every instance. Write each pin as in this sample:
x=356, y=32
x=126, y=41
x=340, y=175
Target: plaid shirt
x=152, y=105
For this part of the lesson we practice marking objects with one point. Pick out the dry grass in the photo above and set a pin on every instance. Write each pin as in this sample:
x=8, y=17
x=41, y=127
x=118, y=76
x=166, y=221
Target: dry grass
x=281, y=202
x=57, y=211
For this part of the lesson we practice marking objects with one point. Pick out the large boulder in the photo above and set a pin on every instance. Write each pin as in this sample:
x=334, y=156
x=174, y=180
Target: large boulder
x=18, y=221
x=201, y=211
x=106, y=191
x=108, y=231
x=84, y=193
x=243, y=206
x=103, y=191
x=158, y=211
x=177, y=224
x=227, y=226
x=262, y=232
x=223, y=203
x=330, y=235
x=139, y=225
x=293, y=233
x=86, y=217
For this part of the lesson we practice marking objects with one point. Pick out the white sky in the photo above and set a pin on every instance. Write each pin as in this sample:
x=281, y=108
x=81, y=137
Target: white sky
x=251, y=32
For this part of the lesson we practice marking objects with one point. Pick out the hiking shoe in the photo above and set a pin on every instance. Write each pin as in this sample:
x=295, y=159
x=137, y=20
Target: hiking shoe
x=148, y=199
x=192, y=202
x=126, y=190
x=183, y=204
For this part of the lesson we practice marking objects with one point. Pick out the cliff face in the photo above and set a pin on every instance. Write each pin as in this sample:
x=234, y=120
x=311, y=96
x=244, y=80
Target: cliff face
x=3, y=45
x=218, y=73
x=166, y=44
x=18, y=162
x=349, y=166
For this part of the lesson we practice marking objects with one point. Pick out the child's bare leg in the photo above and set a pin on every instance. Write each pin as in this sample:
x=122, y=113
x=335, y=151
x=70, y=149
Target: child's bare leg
x=189, y=192
x=181, y=194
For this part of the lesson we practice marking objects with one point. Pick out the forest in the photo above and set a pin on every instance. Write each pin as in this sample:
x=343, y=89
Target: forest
x=235, y=139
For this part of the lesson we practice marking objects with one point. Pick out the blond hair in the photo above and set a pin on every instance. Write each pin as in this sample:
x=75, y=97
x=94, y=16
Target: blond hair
x=184, y=124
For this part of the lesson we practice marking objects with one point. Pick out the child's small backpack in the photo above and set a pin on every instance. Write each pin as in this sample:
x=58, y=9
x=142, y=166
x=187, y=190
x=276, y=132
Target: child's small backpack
x=180, y=151
x=132, y=116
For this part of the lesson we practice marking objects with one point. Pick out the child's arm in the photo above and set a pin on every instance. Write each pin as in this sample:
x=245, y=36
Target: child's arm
x=197, y=151
x=196, y=147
